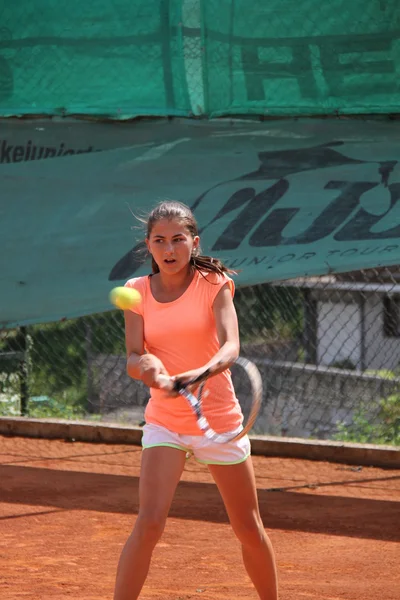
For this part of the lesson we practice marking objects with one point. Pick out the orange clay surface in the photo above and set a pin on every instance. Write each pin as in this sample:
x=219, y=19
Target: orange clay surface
x=66, y=509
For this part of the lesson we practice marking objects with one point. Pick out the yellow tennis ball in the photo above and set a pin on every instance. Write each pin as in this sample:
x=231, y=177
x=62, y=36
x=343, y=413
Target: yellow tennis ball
x=125, y=298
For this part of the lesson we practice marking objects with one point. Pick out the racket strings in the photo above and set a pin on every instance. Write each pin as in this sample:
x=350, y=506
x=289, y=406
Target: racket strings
x=242, y=381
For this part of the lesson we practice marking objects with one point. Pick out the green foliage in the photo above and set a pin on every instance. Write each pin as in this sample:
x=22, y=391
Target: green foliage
x=384, y=429
x=382, y=373
x=62, y=352
x=9, y=394
x=345, y=363
x=10, y=407
x=54, y=409
x=266, y=312
x=58, y=359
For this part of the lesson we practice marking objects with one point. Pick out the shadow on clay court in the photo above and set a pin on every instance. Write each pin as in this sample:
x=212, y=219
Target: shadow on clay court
x=282, y=508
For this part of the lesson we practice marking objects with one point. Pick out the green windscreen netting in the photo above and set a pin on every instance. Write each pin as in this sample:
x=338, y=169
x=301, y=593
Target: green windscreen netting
x=205, y=57
x=117, y=57
x=307, y=56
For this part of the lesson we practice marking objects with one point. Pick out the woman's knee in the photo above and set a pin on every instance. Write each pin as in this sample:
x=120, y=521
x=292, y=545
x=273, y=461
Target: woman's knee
x=250, y=532
x=149, y=527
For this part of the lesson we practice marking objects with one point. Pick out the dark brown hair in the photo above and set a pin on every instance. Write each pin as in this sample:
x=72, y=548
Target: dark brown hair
x=173, y=210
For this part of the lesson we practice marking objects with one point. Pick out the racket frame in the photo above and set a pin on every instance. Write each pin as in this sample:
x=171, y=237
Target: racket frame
x=195, y=403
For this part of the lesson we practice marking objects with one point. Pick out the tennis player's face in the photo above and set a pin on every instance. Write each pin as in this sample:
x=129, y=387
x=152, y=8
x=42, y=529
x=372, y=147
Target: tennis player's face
x=171, y=245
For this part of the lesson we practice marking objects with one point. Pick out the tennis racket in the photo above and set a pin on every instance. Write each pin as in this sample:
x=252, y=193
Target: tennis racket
x=247, y=383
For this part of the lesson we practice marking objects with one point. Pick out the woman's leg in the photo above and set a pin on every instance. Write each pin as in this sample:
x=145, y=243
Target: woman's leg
x=237, y=486
x=161, y=471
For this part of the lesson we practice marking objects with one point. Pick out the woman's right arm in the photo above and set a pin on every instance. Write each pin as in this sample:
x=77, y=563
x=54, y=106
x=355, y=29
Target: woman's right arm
x=140, y=365
x=134, y=342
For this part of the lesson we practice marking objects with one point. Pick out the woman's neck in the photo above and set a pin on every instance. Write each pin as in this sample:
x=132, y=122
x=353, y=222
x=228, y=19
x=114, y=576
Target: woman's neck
x=176, y=281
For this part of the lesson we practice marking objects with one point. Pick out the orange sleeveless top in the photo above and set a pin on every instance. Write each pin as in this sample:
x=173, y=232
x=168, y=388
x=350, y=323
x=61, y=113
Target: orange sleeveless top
x=183, y=335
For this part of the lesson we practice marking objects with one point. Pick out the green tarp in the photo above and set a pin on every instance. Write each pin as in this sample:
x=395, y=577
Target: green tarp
x=274, y=201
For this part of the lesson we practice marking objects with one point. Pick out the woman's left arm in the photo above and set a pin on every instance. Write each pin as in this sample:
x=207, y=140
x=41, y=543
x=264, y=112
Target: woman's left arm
x=226, y=322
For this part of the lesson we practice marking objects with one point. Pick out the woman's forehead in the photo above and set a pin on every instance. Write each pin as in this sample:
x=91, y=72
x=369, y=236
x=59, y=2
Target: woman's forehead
x=169, y=227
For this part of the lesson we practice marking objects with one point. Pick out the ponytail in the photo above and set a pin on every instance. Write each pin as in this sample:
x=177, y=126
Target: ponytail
x=154, y=266
x=209, y=265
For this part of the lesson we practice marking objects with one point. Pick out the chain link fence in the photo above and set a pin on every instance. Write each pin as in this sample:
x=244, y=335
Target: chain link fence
x=328, y=349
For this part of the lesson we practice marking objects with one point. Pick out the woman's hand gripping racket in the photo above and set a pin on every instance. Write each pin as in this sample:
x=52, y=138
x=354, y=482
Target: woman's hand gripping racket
x=248, y=387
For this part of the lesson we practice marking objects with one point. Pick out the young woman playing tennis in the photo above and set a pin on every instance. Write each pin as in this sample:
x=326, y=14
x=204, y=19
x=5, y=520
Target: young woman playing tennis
x=186, y=323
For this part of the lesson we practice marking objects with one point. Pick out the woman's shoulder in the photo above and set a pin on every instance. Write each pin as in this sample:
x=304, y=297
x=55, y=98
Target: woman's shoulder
x=214, y=278
x=215, y=281
x=139, y=283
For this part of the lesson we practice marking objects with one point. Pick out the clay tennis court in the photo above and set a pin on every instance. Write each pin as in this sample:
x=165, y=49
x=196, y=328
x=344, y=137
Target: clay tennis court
x=66, y=509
